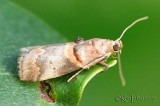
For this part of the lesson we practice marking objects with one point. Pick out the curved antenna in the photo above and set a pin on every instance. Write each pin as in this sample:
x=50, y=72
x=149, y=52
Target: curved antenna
x=138, y=20
x=120, y=71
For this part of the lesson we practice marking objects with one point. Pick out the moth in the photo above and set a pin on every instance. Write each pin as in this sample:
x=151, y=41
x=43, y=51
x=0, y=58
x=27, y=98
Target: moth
x=38, y=63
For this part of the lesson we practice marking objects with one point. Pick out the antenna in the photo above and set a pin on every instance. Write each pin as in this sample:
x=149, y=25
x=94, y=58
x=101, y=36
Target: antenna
x=119, y=59
x=138, y=20
x=120, y=71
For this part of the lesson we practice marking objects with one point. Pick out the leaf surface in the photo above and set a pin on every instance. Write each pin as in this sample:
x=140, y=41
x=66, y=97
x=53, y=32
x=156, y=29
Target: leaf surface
x=19, y=28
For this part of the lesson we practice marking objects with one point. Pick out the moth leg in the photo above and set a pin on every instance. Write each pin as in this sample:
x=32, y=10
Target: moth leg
x=87, y=67
x=75, y=75
x=104, y=64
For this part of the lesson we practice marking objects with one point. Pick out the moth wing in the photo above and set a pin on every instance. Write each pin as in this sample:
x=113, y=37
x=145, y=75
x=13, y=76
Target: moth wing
x=44, y=62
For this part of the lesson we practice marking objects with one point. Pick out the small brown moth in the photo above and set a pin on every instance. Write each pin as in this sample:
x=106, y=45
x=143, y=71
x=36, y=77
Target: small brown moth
x=39, y=63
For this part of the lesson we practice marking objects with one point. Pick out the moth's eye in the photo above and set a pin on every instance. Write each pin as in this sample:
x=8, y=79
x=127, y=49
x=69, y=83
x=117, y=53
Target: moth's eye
x=116, y=47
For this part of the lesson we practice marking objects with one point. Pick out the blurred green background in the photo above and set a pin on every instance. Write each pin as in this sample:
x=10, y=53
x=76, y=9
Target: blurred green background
x=107, y=19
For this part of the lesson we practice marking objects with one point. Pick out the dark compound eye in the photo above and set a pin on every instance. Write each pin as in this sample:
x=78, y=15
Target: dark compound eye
x=116, y=47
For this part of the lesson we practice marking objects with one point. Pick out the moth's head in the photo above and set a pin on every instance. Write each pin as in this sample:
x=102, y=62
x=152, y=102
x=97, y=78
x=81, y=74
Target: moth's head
x=117, y=46
x=118, y=43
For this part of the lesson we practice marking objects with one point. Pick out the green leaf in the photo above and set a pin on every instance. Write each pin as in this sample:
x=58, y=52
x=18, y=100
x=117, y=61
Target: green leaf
x=69, y=93
x=19, y=28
